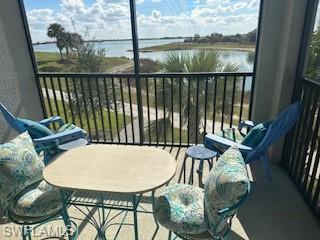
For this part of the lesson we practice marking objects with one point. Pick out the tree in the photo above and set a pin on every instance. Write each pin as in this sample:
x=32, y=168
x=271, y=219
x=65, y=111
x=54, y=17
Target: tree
x=199, y=61
x=55, y=30
x=313, y=67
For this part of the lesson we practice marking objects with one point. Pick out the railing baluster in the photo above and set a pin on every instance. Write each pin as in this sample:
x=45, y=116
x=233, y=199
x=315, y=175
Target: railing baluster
x=55, y=101
x=131, y=113
x=242, y=98
x=42, y=98
x=148, y=109
x=214, y=104
x=205, y=105
x=115, y=107
x=48, y=95
x=101, y=109
x=223, y=101
x=232, y=101
x=108, y=107
x=77, y=101
x=93, y=109
x=123, y=111
x=62, y=99
x=156, y=106
x=188, y=110
x=164, y=111
x=172, y=114
x=84, y=99
x=180, y=110
x=66, y=82
x=197, y=108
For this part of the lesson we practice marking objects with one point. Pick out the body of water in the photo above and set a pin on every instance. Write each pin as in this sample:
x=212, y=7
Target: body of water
x=120, y=49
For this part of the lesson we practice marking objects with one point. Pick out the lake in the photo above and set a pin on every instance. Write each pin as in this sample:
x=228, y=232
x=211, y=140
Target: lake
x=120, y=48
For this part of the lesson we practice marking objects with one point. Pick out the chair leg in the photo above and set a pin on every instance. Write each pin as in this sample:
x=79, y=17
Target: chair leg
x=183, y=169
x=191, y=172
x=200, y=172
x=169, y=235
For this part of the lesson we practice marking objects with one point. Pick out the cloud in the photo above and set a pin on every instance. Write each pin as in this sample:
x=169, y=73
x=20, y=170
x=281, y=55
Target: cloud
x=196, y=1
x=217, y=1
x=110, y=19
x=253, y=4
x=156, y=14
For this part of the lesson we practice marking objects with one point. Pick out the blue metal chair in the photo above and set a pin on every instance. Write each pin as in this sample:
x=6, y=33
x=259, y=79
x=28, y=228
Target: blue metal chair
x=278, y=128
x=43, y=143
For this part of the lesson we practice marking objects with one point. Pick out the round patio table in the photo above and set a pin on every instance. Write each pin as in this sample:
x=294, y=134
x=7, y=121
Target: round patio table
x=118, y=169
x=200, y=153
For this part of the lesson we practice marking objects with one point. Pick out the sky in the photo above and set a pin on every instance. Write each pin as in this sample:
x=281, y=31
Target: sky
x=110, y=19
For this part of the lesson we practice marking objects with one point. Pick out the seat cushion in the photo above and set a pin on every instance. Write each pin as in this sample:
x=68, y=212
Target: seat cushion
x=180, y=208
x=256, y=135
x=232, y=134
x=67, y=126
x=226, y=185
x=20, y=166
x=38, y=200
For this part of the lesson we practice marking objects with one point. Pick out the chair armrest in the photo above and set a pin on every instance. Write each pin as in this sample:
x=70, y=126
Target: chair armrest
x=222, y=144
x=246, y=123
x=53, y=119
x=73, y=133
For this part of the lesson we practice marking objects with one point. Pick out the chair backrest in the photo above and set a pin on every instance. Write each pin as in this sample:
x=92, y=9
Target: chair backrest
x=280, y=126
x=226, y=188
x=12, y=120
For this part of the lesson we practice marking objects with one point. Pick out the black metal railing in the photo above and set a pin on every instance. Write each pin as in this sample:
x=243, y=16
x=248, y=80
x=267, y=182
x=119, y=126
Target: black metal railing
x=302, y=151
x=176, y=109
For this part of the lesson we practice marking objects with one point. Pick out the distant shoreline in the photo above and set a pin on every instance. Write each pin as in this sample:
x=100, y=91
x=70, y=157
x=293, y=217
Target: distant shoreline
x=248, y=47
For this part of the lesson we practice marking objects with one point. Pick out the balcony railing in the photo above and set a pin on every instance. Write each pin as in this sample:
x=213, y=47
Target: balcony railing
x=153, y=109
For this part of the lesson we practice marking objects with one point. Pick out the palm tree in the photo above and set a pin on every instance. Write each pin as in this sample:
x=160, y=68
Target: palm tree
x=192, y=108
x=55, y=30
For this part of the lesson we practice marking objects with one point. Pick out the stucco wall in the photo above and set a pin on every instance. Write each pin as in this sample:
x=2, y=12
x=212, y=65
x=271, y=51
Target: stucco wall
x=281, y=33
x=18, y=89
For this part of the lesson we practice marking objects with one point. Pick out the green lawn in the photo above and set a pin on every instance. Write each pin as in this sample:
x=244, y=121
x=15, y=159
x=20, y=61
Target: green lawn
x=92, y=122
x=51, y=62
x=204, y=46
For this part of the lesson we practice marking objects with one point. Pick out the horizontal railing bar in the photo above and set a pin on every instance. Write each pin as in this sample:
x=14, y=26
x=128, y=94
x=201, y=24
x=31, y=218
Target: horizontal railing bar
x=131, y=75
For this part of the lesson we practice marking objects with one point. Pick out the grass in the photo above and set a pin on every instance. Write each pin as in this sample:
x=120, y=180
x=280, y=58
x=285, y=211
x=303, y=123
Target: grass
x=204, y=46
x=51, y=62
x=58, y=110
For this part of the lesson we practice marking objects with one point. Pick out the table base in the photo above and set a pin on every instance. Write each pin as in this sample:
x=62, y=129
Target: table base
x=99, y=216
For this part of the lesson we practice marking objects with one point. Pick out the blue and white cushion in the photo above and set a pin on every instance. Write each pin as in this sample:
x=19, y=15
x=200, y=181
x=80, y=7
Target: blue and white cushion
x=20, y=166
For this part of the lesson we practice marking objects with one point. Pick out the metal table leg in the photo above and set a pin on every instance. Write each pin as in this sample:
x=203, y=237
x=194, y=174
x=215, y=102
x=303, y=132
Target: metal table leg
x=200, y=171
x=135, y=217
x=155, y=220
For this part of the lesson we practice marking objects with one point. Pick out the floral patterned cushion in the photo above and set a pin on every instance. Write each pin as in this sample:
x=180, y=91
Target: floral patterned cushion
x=232, y=134
x=38, y=200
x=180, y=208
x=225, y=186
x=20, y=166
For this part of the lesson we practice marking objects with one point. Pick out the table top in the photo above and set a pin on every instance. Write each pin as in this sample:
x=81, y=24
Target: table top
x=200, y=152
x=111, y=169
